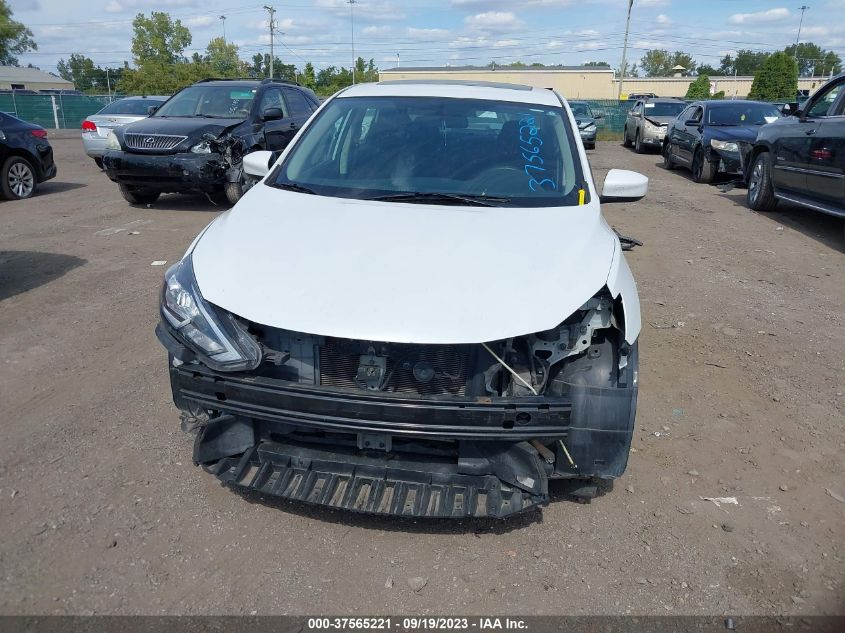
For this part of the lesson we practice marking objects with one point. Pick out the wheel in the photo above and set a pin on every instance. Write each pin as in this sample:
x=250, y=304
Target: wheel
x=590, y=146
x=137, y=195
x=703, y=171
x=625, y=141
x=761, y=194
x=99, y=162
x=638, y=143
x=236, y=190
x=18, y=178
x=668, y=161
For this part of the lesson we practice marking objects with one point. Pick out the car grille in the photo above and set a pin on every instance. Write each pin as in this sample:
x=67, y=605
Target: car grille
x=152, y=141
x=339, y=367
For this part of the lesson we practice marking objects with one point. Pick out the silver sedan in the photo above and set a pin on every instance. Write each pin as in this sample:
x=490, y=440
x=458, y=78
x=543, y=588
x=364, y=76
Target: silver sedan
x=96, y=128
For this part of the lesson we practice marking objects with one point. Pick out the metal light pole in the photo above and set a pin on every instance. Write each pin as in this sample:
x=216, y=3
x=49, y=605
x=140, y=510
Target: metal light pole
x=625, y=52
x=223, y=19
x=272, y=13
x=800, y=24
x=352, y=4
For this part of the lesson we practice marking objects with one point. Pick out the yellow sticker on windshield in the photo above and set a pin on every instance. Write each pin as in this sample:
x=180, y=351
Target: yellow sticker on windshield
x=582, y=196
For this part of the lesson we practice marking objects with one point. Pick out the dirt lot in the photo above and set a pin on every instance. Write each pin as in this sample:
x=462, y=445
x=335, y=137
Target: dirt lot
x=741, y=395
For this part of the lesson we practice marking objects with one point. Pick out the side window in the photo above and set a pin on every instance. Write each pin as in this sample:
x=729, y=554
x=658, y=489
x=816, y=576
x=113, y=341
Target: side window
x=272, y=98
x=298, y=104
x=822, y=106
x=638, y=109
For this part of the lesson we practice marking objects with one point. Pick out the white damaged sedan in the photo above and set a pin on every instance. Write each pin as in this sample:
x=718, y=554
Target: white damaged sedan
x=419, y=311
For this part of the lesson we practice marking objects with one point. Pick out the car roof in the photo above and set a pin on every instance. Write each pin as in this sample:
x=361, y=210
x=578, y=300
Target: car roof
x=451, y=89
x=156, y=97
x=663, y=100
x=724, y=103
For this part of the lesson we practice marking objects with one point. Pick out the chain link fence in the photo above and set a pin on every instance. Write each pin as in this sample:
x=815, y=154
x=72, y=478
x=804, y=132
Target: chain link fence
x=53, y=111
x=68, y=111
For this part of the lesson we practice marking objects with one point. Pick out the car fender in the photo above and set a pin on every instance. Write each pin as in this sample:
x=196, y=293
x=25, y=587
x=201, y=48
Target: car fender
x=623, y=289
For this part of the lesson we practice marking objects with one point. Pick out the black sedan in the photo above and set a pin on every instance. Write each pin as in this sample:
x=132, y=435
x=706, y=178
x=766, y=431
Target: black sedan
x=25, y=155
x=712, y=137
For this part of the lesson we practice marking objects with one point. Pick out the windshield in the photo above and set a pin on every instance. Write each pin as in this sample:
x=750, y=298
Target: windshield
x=130, y=106
x=580, y=109
x=371, y=147
x=217, y=102
x=664, y=109
x=743, y=114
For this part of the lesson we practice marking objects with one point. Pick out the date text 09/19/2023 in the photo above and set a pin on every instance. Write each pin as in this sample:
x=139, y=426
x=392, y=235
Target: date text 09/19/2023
x=427, y=623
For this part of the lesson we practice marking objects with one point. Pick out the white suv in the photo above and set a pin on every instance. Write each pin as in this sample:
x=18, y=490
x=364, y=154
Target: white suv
x=418, y=311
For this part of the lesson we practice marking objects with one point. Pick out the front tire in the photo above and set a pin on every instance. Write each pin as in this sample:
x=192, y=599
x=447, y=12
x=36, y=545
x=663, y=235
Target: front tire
x=99, y=162
x=137, y=195
x=761, y=194
x=17, y=179
x=703, y=171
x=638, y=143
x=625, y=141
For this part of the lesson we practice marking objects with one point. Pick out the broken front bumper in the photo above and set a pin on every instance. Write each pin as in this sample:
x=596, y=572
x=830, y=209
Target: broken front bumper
x=167, y=172
x=391, y=454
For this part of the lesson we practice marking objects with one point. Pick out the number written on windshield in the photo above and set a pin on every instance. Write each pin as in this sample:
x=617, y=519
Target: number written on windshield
x=531, y=144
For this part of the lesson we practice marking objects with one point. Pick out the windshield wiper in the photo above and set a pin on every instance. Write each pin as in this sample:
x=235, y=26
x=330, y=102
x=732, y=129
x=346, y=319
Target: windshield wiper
x=213, y=116
x=468, y=199
x=292, y=186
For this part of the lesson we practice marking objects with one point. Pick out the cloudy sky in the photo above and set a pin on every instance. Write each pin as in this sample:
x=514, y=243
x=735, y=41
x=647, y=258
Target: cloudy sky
x=438, y=32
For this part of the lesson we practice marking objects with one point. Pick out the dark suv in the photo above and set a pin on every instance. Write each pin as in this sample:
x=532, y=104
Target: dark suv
x=195, y=141
x=801, y=159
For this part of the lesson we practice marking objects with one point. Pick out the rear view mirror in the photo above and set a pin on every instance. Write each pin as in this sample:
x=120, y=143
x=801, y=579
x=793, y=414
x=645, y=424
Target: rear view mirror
x=258, y=163
x=622, y=185
x=272, y=114
x=151, y=110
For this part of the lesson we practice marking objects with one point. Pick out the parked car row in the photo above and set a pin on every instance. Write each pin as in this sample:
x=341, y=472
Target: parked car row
x=194, y=141
x=794, y=155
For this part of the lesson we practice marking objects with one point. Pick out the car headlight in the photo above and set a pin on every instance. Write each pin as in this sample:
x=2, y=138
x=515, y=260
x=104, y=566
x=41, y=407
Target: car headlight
x=589, y=129
x=724, y=146
x=201, y=148
x=218, y=339
x=112, y=142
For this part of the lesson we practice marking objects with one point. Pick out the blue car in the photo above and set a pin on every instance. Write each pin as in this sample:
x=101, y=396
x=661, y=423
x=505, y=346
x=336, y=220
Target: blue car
x=714, y=137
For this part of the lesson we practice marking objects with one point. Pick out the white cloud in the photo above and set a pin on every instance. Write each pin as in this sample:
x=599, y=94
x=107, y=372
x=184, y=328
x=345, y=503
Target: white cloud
x=426, y=34
x=493, y=21
x=664, y=19
x=198, y=21
x=761, y=17
x=119, y=6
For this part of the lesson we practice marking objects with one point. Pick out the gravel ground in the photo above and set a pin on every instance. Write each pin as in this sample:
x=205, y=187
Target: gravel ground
x=741, y=396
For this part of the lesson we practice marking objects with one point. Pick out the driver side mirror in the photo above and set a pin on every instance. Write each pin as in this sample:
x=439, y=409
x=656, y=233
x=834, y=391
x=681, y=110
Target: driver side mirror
x=258, y=163
x=621, y=185
x=692, y=123
x=598, y=117
x=272, y=114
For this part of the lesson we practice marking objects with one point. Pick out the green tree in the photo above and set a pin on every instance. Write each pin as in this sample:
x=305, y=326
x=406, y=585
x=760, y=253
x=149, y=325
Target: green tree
x=699, y=89
x=597, y=65
x=707, y=69
x=15, y=38
x=745, y=64
x=159, y=39
x=223, y=59
x=659, y=63
x=309, y=76
x=777, y=79
x=814, y=60
x=87, y=77
x=260, y=67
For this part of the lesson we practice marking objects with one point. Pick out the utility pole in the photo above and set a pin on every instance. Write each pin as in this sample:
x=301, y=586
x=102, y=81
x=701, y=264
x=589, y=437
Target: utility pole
x=223, y=19
x=272, y=13
x=397, y=59
x=800, y=24
x=625, y=51
x=352, y=4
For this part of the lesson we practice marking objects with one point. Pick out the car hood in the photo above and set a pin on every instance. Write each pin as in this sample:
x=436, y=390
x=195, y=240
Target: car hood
x=192, y=127
x=404, y=273
x=746, y=133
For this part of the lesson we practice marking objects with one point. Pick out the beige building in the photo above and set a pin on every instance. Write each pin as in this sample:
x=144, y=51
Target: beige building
x=14, y=77
x=581, y=82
